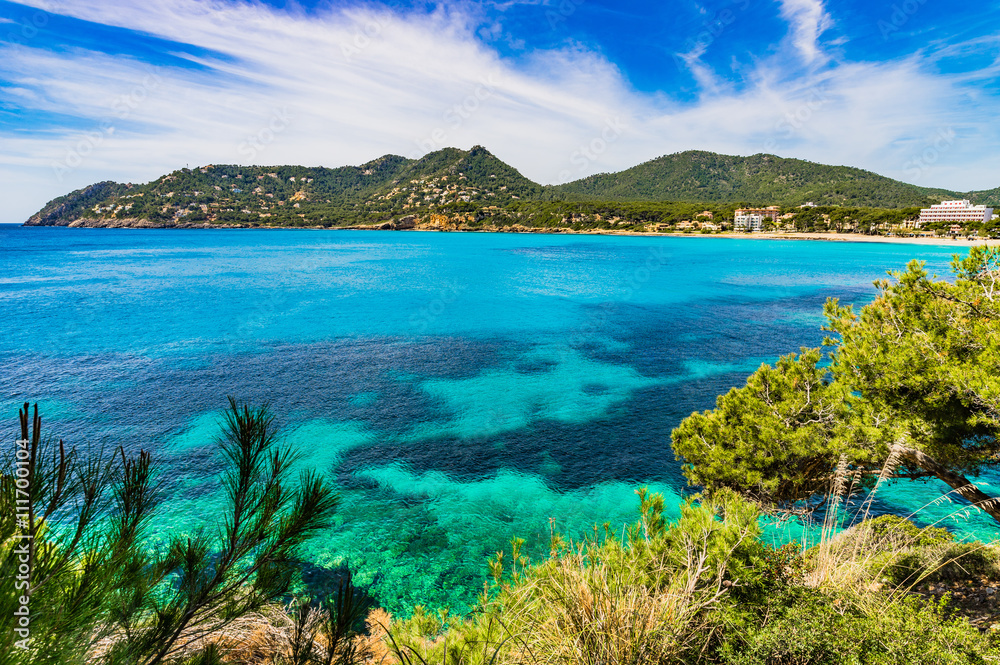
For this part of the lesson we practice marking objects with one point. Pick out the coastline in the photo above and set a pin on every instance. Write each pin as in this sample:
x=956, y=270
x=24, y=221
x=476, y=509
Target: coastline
x=822, y=237
x=844, y=237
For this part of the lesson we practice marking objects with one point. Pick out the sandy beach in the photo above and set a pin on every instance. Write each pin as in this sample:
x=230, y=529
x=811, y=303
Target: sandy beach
x=857, y=237
x=959, y=243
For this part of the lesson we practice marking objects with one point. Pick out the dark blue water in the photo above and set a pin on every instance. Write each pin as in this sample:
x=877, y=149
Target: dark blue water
x=460, y=389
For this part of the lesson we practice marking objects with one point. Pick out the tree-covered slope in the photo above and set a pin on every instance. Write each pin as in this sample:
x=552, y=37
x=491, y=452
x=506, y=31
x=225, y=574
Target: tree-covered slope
x=989, y=197
x=379, y=190
x=759, y=179
x=70, y=207
x=476, y=183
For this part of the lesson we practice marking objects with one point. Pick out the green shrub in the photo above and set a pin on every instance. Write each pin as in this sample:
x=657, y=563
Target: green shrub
x=953, y=562
x=894, y=550
x=89, y=576
x=892, y=530
x=700, y=590
x=809, y=627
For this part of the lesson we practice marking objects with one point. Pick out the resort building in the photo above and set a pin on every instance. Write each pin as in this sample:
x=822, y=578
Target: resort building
x=752, y=219
x=955, y=211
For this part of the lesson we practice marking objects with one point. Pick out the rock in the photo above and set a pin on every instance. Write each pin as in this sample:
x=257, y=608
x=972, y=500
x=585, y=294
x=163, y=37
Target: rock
x=116, y=223
x=402, y=224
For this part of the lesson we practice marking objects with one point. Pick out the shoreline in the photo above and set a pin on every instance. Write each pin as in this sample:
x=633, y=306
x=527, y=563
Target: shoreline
x=846, y=237
x=814, y=236
x=821, y=237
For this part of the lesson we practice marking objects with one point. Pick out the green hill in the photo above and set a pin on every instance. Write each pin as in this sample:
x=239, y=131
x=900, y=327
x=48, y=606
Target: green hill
x=75, y=204
x=756, y=180
x=988, y=197
x=475, y=187
x=448, y=180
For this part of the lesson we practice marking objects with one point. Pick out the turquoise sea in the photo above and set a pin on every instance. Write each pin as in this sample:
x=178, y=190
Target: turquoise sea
x=460, y=389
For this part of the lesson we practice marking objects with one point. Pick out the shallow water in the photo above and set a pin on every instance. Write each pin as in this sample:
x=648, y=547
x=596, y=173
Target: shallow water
x=460, y=389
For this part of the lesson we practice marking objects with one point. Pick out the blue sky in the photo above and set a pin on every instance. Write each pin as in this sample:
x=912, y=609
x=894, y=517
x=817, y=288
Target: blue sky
x=125, y=90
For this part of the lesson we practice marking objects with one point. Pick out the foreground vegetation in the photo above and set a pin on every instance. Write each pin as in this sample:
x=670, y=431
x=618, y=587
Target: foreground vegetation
x=703, y=589
x=911, y=390
x=78, y=579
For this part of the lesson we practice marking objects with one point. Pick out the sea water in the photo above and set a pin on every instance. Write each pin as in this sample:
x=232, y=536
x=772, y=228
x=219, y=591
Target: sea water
x=459, y=389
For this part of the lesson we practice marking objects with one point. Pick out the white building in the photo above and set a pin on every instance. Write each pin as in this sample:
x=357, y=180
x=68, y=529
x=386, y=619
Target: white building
x=749, y=222
x=752, y=219
x=955, y=211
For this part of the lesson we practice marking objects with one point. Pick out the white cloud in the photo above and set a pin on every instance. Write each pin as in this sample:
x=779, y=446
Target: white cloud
x=707, y=81
x=809, y=21
x=345, y=87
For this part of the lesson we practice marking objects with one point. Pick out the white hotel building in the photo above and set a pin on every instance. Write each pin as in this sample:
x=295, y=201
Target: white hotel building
x=752, y=219
x=955, y=211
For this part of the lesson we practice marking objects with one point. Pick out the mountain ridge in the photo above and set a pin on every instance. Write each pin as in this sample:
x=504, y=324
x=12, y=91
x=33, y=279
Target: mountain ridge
x=452, y=182
x=697, y=175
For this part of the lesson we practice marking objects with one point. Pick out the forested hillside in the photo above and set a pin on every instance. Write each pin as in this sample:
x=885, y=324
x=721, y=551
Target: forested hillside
x=759, y=179
x=380, y=190
x=454, y=188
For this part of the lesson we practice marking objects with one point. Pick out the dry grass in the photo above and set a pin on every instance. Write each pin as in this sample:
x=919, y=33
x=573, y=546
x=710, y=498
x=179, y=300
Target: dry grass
x=610, y=614
x=864, y=559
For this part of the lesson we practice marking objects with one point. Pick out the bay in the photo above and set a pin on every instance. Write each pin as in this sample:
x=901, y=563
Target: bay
x=460, y=389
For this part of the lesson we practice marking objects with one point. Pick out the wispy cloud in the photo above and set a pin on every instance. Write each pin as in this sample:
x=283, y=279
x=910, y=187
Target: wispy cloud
x=809, y=20
x=345, y=86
